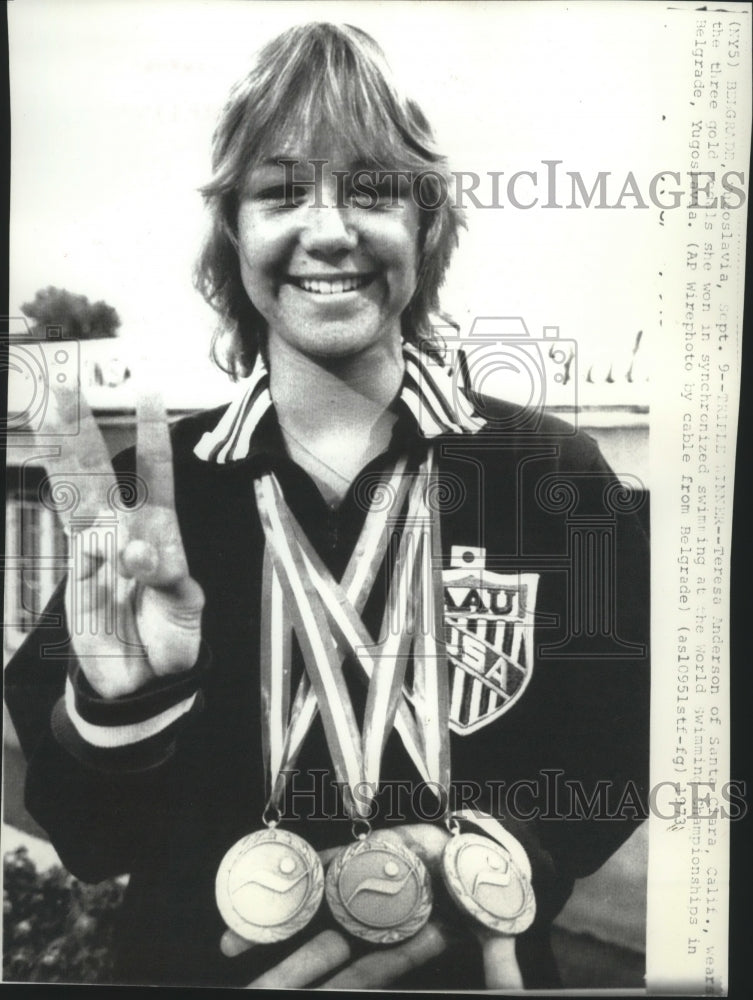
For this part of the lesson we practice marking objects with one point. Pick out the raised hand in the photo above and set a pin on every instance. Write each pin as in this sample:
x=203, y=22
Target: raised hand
x=133, y=610
x=329, y=953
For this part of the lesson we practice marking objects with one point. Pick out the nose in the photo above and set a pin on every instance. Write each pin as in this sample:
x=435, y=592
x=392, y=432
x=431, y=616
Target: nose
x=328, y=230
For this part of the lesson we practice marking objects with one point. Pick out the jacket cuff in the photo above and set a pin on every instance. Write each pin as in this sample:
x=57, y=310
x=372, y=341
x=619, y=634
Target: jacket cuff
x=132, y=733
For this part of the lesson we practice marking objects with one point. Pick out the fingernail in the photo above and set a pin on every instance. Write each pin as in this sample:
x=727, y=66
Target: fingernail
x=232, y=945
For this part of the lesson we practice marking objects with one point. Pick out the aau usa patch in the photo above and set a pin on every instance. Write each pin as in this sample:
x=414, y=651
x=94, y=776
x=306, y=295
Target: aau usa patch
x=489, y=636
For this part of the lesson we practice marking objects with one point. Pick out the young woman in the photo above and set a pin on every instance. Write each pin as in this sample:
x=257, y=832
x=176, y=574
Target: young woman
x=362, y=619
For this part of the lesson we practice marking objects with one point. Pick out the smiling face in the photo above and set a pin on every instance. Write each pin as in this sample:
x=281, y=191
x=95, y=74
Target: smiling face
x=331, y=278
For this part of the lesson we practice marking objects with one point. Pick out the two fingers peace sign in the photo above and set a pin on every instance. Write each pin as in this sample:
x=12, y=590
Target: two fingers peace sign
x=133, y=610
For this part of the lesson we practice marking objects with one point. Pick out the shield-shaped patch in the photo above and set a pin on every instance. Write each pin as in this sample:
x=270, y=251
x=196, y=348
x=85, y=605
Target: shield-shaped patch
x=489, y=636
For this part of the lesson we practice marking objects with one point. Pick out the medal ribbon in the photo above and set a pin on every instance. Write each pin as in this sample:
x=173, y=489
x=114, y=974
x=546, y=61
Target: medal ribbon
x=275, y=663
x=383, y=663
x=326, y=619
x=431, y=700
x=284, y=729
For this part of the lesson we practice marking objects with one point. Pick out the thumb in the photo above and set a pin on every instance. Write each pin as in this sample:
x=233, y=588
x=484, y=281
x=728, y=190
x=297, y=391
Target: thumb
x=180, y=604
x=501, y=969
x=169, y=624
x=232, y=944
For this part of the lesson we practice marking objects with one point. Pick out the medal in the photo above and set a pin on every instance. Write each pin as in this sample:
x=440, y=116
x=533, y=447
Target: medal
x=269, y=885
x=379, y=891
x=485, y=881
x=376, y=890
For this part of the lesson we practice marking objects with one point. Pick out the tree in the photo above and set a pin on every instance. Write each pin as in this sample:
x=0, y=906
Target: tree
x=79, y=318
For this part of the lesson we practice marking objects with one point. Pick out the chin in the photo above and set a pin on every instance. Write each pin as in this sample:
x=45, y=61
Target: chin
x=340, y=343
x=336, y=350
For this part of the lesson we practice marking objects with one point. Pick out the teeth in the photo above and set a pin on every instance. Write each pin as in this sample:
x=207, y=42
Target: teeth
x=330, y=286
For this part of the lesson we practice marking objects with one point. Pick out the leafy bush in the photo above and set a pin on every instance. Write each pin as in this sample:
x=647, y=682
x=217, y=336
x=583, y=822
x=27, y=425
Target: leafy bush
x=77, y=317
x=55, y=928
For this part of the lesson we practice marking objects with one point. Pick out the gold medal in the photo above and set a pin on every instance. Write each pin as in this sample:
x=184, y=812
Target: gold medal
x=379, y=891
x=485, y=881
x=269, y=885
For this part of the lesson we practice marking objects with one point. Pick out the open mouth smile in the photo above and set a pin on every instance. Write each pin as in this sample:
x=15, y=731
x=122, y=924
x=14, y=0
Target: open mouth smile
x=332, y=285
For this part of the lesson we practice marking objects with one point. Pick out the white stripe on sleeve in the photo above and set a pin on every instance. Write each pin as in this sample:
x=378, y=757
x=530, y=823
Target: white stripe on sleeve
x=110, y=737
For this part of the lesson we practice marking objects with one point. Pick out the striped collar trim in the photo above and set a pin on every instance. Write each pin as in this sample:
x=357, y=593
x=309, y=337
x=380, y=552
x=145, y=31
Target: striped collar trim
x=434, y=393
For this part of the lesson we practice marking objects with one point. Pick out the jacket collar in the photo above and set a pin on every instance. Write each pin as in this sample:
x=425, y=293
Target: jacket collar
x=429, y=391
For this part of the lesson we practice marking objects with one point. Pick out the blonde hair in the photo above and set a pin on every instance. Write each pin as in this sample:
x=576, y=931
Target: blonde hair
x=309, y=77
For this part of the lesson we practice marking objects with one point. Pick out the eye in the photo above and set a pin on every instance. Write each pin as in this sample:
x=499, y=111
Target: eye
x=281, y=195
x=388, y=190
x=375, y=189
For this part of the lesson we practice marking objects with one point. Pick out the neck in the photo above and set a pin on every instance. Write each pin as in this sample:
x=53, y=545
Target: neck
x=318, y=397
x=334, y=413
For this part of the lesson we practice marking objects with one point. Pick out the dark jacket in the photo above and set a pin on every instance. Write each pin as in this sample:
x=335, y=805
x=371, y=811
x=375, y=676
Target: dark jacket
x=537, y=500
